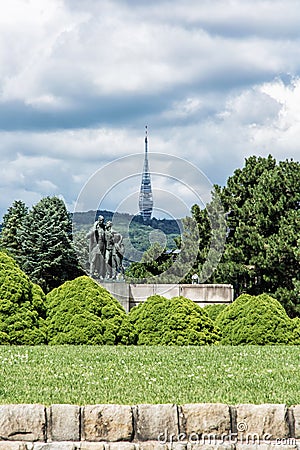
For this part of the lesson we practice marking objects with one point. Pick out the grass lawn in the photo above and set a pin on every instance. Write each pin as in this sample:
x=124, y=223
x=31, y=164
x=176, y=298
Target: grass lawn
x=130, y=375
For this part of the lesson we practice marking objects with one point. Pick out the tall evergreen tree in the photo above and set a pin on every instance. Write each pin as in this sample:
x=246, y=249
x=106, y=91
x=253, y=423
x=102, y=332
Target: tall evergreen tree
x=48, y=256
x=10, y=240
x=261, y=254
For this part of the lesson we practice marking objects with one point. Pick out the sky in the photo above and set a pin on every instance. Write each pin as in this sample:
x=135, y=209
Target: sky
x=216, y=81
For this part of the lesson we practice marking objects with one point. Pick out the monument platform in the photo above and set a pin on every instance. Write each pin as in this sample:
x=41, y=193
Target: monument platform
x=130, y=295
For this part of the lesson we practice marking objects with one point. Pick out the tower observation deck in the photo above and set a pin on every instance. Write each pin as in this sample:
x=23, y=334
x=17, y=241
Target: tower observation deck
x=145, y=198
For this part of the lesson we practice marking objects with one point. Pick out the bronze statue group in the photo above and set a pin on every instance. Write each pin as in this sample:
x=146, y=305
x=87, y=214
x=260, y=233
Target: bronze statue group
x=106, y=251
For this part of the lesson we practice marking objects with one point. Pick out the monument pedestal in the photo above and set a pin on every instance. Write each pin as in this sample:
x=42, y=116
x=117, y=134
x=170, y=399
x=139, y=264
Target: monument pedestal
x=130, y=295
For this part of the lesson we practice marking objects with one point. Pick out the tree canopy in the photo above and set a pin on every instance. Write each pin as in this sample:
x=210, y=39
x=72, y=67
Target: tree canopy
x=41, y=241
x=261, y=202
x=13, y=220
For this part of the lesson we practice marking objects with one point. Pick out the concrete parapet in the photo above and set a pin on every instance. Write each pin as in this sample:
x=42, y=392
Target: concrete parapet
x=130, y=295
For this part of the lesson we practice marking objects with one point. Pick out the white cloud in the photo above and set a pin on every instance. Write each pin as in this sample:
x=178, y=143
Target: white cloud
x=215, y=81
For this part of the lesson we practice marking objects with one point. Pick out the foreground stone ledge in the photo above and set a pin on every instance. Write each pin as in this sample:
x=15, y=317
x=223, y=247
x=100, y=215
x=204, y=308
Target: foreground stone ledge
x=263, y=420
x=295, y=421
x=204, y=419
x=107, y=423
x=149, y=445
x=15, y=446
x=156, y=422
x=219, y=446
x=22, y=422
x=267, y=446
x=56, y=446
x=154, y=445
x=63, y=423
x=200, y=426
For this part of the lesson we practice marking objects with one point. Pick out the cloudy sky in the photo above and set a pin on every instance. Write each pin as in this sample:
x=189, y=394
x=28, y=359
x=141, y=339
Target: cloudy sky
x=215, y=81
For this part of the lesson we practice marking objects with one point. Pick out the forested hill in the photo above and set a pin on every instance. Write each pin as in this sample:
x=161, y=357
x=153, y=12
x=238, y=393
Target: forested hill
x=84, y=219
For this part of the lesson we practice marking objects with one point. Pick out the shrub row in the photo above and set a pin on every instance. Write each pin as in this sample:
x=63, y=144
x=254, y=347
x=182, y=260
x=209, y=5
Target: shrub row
x=83, y=312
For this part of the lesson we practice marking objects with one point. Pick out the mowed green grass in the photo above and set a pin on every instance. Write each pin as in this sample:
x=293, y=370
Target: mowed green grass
x=131, y=375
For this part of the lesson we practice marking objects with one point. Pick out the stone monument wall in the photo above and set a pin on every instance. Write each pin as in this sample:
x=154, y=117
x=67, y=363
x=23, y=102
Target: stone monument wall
x=205, y=426
x=130, y=295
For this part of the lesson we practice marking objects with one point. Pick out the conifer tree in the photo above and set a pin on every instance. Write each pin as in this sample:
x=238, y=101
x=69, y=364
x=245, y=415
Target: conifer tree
x=261, y=254
x=48, y=256
x=12, y=223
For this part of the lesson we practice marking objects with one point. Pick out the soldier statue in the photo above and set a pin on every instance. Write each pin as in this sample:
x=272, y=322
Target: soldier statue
x=97, y=247
x=106, y=250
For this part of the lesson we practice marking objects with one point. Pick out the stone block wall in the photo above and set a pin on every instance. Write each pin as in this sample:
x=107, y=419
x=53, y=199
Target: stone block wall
x=205, y=426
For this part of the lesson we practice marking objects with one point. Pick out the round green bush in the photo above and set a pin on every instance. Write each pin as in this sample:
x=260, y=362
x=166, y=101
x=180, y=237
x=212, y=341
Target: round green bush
x=296, y=322
x=22, y=306
x=214, y=310
x=83, y=312
x=176, y=321
x=256, y=320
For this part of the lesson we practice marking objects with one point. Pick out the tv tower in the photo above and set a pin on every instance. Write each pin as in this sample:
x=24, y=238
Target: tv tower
x=146, y=200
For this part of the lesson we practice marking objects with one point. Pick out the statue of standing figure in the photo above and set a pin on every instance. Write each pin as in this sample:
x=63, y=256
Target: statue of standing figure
x=97, y=248
x=106, y=250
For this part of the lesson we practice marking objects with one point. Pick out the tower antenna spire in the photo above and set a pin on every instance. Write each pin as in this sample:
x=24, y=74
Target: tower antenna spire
x=145, y=198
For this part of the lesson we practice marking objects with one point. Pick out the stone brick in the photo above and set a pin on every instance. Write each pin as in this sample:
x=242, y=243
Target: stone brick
x=296, y=416
x=155, y=421
x=22, y=422
x=63, y=423
x=15, y=446
x=155, y=445
x=265, y=446
x=120, y=446
x=56, y=446
x=90, y=446
x=177, y=446
x=107, y=423
x=204, y=419
x=262, y=420
x=217, y=446
x=151, y=445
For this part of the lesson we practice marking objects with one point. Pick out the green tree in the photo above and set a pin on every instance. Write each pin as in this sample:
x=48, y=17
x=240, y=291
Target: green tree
x=211, y=236
x=48, y=255
x=262, y=249
x=159, y=266
x=10, y=240
x=154, y=262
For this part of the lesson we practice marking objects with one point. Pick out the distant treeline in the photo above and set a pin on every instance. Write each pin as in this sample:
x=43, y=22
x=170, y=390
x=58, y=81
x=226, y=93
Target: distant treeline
x=168, y=226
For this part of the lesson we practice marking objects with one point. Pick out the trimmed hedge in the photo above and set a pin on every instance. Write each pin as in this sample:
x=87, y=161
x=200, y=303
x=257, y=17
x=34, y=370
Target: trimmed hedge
x=256, y=320
x=214, y=310
x=83, y=312
x=22, y=306
x=176, y=321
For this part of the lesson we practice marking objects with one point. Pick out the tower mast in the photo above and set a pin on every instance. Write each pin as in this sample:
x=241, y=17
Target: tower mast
x=146, y=199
